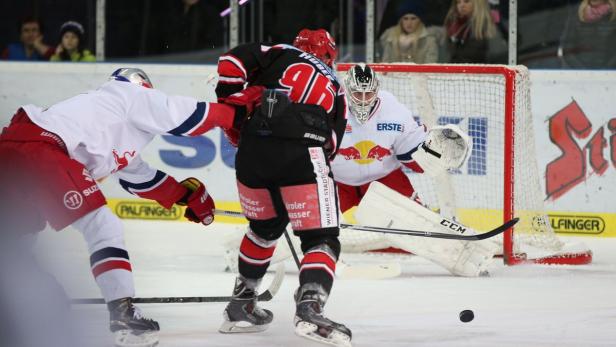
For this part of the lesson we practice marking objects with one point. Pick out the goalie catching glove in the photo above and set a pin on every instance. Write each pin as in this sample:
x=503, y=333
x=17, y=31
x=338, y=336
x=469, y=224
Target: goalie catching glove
x=199, y=204
x=245, y=103
x=446, y=147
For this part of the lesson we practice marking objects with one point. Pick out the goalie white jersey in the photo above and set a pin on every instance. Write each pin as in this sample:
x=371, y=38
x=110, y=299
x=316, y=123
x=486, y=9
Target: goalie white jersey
x=372, y=150
x=105, y=129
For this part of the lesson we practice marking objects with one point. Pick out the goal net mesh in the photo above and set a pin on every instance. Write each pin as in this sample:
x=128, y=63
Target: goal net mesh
x=501, y=178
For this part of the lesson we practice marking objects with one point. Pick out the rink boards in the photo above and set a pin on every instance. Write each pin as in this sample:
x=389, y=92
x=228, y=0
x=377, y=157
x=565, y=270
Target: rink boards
x=575, y=131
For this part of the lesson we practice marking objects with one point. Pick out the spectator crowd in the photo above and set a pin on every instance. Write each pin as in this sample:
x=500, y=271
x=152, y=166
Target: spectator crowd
x=32, y=47
x=569, y=34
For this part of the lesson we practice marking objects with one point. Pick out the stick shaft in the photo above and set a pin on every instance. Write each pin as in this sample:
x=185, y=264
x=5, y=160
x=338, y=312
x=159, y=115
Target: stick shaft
x=409, y=232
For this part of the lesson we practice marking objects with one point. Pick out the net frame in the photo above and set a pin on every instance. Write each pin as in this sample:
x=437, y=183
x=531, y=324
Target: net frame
x=516, y=101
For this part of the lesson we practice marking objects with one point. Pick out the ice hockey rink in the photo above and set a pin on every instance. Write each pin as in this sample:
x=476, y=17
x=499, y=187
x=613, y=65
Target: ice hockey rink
x=528, y=305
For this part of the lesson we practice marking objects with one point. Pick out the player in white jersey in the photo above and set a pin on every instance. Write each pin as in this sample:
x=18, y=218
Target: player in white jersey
x=52, y=159
x=380, y=139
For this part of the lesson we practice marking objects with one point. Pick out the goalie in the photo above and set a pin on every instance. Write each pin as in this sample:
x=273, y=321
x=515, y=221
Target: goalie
x=380, y=138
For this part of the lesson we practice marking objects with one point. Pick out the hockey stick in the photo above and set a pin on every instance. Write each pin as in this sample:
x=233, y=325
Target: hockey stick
x=343, y=270
x=437, y=235
x=292, y=249
x=420, y=233
x=267, y=295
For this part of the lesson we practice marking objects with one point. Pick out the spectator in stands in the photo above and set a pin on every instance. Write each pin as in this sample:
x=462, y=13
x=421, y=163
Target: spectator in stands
x=409, y=40
x=589, y=40
x=469, y=28
x=591, y=11
x=71, y=44
x=31, y=46
x=435, y=11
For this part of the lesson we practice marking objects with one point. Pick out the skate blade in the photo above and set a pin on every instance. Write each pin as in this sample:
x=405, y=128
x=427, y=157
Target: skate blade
x=335, y=338
x=228, y=327
x=126, y=338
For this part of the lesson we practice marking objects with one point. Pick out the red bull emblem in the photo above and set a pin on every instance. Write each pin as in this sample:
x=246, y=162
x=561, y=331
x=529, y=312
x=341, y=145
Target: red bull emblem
x=364, y=152
x=121, y=161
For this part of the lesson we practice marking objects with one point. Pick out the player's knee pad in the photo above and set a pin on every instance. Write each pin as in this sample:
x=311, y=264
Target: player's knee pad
x=270, y=229
x=312, y=241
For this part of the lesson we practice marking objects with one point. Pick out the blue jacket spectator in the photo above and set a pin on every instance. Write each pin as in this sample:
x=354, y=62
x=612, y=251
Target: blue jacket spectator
x=31, y=46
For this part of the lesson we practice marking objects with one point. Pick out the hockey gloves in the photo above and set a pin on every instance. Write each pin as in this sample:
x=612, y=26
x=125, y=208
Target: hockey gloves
x=245, y=103
x=199, y=204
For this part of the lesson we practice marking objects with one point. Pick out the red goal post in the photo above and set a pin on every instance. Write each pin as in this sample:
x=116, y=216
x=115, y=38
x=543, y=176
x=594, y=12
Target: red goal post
x=501, y=179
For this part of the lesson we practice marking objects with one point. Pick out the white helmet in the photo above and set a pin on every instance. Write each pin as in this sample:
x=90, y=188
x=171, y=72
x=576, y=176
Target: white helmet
x=132, y=75
x=362, y=87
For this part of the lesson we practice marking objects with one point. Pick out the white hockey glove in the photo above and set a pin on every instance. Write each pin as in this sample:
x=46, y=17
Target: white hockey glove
x=446, y=147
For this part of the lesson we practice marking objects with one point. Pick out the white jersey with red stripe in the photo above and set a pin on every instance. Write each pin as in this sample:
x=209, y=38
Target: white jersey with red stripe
x=372, y=150
x=106, y=129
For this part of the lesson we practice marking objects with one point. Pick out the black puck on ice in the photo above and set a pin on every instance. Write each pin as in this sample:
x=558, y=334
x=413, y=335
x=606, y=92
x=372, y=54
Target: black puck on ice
x=467, y=316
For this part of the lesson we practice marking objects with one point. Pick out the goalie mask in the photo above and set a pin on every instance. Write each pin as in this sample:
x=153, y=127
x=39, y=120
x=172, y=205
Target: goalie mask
x=318, y=43
x=362, y=87
x=132, y=75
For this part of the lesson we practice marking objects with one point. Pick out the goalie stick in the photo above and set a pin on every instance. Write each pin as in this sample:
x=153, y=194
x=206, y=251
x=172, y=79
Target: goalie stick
x=444, y=222
x=267, y=295
x=421, y=233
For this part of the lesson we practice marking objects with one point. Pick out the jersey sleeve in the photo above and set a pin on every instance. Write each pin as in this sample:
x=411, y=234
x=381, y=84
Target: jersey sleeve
x=411, y=137
x=237, y=66
x=138, y=178
x=157, y=113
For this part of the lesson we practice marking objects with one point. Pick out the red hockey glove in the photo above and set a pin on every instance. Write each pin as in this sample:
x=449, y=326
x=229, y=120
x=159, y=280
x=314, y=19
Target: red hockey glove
x=245, y=103
x=199, y=204
x=246, y=100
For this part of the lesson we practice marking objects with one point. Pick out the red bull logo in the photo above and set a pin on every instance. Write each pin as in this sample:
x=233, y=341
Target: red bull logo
x=121, y=161
x=364, y=152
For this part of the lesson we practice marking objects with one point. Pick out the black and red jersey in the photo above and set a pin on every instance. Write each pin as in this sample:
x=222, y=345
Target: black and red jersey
x=300, y=75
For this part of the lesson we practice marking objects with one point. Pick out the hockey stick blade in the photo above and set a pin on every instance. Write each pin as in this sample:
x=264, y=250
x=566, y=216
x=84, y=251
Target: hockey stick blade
x=437, y=235
x=410, y=232
x=266, y=295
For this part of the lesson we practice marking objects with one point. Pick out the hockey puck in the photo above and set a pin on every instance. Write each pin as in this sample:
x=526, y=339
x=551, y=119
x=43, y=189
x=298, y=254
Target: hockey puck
x=467, y=316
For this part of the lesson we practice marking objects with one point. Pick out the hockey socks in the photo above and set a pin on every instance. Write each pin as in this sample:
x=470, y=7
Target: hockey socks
x=255, y=255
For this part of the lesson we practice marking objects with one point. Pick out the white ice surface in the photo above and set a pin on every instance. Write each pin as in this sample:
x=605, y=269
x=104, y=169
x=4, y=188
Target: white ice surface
x=529, y=305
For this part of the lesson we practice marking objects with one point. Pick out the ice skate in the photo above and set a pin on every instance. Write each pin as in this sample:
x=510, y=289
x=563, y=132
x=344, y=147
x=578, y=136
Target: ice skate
x=130, y=328
x=310, y=322
x=242, y=315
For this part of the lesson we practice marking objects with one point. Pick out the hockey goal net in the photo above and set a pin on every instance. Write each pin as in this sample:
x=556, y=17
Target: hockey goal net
x=501, y=178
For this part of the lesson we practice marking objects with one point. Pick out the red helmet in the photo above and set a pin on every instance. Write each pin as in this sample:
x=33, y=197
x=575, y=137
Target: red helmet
x=318, y=43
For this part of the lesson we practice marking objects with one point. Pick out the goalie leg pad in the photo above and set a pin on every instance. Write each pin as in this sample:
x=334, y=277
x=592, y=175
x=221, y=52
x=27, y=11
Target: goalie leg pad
x=383, y=207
